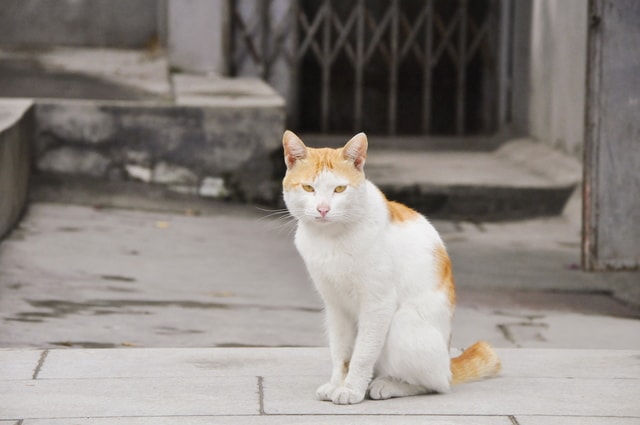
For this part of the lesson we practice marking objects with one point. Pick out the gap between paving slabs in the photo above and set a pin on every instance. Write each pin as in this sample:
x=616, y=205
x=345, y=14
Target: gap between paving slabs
x=211, y=382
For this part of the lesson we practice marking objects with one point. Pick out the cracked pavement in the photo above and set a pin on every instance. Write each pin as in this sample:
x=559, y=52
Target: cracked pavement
x=94, y=276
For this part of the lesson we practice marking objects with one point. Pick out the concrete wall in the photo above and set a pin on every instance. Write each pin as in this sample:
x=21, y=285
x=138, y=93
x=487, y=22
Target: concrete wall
x=103, y=23
x=194, y=31
x=557, y=70
x=197, y=37
x=16, y=125
x=612, y=160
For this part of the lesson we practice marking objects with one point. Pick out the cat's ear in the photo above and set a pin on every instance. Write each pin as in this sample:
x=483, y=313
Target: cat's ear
x=356, y=150
x=294, y=149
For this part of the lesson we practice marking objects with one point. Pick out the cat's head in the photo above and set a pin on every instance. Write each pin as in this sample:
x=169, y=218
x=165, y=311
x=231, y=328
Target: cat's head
x=325, y=185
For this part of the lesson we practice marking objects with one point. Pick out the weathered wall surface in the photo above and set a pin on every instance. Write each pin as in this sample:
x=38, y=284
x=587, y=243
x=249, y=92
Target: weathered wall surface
x=558, y=73
x=16, y=125
x=88, y=23
x=189, y=149
x=197, y=35
x=612, y=160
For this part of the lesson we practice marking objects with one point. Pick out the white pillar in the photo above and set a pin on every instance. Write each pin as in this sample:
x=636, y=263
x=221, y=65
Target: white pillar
x=198, y=35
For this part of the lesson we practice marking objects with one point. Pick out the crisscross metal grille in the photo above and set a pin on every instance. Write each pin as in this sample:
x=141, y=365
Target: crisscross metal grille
x=384, y=66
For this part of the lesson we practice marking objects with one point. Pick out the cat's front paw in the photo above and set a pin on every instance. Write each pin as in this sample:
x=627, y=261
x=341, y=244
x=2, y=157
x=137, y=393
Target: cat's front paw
x=325, y=392
x=380, y=389
x=345, y=395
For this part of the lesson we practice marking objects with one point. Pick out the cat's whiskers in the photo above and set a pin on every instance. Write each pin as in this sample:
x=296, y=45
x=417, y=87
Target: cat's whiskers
x=273, y=212
x=280, y=219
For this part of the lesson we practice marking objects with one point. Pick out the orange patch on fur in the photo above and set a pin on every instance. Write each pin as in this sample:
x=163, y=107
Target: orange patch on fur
x=446, y=284
x=399, y=212
x=476, y=362
x=317, y=160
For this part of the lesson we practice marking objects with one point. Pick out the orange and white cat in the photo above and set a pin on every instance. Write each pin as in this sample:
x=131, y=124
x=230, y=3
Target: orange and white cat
x=384, y=276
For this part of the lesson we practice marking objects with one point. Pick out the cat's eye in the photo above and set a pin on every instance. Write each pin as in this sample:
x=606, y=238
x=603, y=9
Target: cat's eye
x=340, y=189
x=307, y=188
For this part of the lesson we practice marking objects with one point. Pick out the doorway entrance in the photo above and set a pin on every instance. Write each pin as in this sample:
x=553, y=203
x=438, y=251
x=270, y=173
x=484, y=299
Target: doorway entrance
x=400, y=67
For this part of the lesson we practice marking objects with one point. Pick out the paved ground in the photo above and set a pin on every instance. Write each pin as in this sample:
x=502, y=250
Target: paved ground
x=276, y=386
x=216, y=284
x=93, y=276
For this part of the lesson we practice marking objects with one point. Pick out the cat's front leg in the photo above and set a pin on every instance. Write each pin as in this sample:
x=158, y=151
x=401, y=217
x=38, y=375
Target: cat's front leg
x=373, y=325
x=342, y=334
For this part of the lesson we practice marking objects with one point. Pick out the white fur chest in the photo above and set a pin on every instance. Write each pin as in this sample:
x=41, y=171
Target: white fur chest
x=344, y=267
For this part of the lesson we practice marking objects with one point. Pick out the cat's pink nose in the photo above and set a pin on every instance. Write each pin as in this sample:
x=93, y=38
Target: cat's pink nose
x=323, y=210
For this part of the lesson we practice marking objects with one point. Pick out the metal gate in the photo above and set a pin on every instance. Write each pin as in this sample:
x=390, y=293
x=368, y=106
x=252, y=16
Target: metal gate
x=383, y=66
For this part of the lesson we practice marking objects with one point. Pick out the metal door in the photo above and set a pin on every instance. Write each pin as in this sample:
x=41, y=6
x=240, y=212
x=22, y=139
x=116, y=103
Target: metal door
x=383, y=66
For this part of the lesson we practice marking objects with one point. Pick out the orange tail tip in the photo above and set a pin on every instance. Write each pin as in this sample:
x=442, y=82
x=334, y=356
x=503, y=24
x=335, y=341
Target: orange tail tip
x=476, y=362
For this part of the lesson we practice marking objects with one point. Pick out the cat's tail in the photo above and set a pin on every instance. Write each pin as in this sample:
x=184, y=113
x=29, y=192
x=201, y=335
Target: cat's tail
x=476, y=362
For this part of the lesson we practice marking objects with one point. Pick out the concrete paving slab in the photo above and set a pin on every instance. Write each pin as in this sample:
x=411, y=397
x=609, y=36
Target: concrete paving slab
x=546, y=383
x=95, y=277
x=568, y=420
x=566, y=382
x=178, y=362
x=517, y=396
x=540, y=327
x=18, y=364
x=471, y=325
x=540, y=254
x=283, y=420
x=578, y=364
x=216, y=285
x=575, y=331
x=69, y=398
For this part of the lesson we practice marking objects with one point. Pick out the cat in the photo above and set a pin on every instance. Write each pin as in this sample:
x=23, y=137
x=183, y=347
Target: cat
x=384, y=276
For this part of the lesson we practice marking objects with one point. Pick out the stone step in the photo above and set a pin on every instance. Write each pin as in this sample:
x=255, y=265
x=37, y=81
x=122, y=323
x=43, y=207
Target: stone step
x=522, y=179
x=277, y=386
x=469, y=179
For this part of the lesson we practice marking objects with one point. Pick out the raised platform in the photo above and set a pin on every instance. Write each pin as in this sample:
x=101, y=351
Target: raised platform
x=120, y=115
x=521, y=179
x=16, y=126
x=277, y=386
